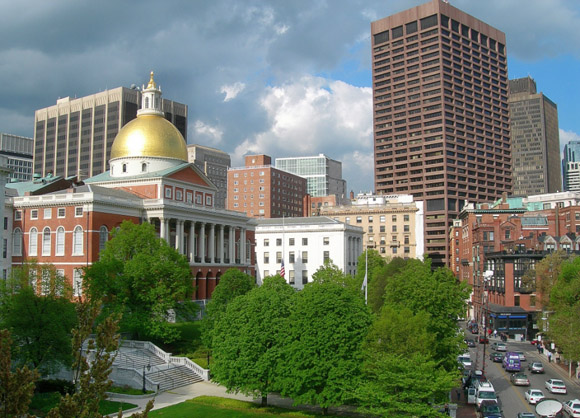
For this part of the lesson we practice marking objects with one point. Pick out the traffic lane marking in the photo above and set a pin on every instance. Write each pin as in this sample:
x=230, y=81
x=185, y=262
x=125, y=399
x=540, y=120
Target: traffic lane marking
x=518, y=393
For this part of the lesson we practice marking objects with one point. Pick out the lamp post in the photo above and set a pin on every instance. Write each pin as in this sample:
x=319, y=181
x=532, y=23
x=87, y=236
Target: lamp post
x=486, y=278
x=148, y=369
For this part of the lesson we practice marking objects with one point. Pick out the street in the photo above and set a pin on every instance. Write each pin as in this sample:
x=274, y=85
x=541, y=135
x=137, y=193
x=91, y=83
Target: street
x=511, y=397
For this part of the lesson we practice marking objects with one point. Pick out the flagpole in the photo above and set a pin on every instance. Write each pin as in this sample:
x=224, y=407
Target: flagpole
x=366, y=275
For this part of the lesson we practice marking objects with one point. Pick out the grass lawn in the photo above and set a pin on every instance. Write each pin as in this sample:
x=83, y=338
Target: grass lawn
x=44, y=402
x=215, y=407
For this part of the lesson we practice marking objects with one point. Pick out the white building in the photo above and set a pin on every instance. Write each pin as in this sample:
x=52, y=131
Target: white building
x=551, y=200
x=305, y=244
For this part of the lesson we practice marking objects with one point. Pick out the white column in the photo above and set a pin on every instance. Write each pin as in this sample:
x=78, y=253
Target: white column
x=167, y=230
x=192, y=242
x=243, y=259
x=162, y=228
x=220, y=252
x=211, y=245
x=202, y=242
x=177, y=245
x=232, y=235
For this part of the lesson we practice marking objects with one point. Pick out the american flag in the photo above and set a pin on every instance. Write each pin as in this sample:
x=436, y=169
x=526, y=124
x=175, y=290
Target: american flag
x=282, y=271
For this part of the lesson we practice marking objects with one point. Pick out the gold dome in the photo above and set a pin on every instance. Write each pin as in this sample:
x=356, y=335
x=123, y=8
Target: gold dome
x=149, y=136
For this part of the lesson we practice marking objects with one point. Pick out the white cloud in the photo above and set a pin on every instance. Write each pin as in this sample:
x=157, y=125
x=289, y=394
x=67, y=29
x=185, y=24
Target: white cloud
x=565, y=137
x=232, y=90
x=206, y=134
x=312, y=116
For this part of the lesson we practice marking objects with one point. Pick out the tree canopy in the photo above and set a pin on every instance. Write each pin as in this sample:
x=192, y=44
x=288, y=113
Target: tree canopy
x=36, y=308
x=233, y=283
x=322, y=344
x=246, y=342
x=141, y=276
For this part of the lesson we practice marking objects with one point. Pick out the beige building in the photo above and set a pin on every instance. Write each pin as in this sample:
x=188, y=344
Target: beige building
x=74, y=136
x=392, y=224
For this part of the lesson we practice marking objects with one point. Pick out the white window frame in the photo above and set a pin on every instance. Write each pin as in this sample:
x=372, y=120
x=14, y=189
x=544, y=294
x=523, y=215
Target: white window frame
x=17, y=242
x=77, y=282
x=46, y=241
x=78, y=238
x=60, y=241
x=18, y=215
x=47, y=213
x=59, y=214
x=78, y=211
x=33, y=242
x=34, y=214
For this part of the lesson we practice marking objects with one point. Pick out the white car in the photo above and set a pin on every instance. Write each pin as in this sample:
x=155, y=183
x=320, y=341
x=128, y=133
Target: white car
x=556, y=386
x=534, y=396
x=572, y=408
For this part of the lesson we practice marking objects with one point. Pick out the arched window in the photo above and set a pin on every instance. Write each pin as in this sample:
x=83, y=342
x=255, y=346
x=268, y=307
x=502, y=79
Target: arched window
x=17, y=242
x=124, y=168
x=46, y=241
x=78, y=241
x=144, y=167
x=33, y=242
x=103, y=237
x=146, y=102
x=60, y=241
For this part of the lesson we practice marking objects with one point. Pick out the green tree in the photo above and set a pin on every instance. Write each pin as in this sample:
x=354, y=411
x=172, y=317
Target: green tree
x=246, y=340
x=437, y=293
x=36, y=308
x=232, y=284
x=141, y=276
x=322, y=344
x=91, y=377
x=403, y=386
x=330, y=272
x=378, y=281
x=16, y=387
x=547, y=272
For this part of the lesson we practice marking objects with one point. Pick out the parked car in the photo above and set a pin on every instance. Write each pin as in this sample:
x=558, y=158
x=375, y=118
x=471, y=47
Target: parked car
x=499, y=346
x=536, y=367
x=572, y=408
x=534, y=396
x=490, y=409
x=556, y=386
x=483, y=339
x=526, y=415
x=496, y=357
x=521, y=354
x=470, y=342
x=520, y=379
x=464, y=360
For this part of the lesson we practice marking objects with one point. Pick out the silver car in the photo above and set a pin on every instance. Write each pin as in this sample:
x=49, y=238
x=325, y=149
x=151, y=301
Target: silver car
x=536, y=367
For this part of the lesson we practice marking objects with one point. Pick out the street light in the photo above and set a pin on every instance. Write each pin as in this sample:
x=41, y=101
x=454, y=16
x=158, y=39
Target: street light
x=148, y=369
x=487, y=275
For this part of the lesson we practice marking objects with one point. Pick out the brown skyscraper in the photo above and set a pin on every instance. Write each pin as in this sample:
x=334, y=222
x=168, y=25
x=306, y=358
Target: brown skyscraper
x=441, y=118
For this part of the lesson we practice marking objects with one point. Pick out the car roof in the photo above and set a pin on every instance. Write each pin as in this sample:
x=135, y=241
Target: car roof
x=556, y=380
x=535, y=391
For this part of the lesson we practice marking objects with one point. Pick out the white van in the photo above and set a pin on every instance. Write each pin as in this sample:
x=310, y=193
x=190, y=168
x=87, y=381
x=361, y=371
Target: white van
x=484, y=393
x=465, y=360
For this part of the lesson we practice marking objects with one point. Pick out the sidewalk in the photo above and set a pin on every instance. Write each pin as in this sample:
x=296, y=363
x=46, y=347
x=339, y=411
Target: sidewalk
x=464, y=410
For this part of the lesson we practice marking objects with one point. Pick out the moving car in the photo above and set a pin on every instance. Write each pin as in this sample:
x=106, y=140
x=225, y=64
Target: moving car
x=534, y=396
x=572, y=408
x=499, y=346
x=526, y=415
x=511, y=362
x=556, y=386
x=496, y=357
x=470, y=342
x=464, y=360
x=483, y=339
x=521, y=354
x=520, y=379
x=536, y=367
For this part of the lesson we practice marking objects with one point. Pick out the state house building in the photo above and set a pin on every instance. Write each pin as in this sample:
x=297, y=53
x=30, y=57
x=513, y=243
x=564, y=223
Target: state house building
x=66, y=223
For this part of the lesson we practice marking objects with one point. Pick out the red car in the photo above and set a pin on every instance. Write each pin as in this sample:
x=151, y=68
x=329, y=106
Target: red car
x=483, y=339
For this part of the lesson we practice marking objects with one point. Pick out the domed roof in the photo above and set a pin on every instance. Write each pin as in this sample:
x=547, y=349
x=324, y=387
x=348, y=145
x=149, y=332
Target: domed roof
x=149, y=136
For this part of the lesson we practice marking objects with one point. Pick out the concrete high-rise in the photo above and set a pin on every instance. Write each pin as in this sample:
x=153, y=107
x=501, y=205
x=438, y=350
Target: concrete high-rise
x=18, y=153
x=324, y=175
x=441, y=116
x=74, y=137
x=571, y=166
x=214, y=163
x=535, y=140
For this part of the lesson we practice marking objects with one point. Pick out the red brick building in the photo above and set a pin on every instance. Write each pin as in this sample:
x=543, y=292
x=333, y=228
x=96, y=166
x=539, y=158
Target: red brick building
x=262, y=191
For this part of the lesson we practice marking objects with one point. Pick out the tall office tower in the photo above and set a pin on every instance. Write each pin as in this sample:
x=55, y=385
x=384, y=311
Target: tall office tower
x=74, y=137
x=535, y=140
x=214, y=163
x=441, y=116
x=323, y=175
x=262, y=191
x=18, y=153
x=571, y=166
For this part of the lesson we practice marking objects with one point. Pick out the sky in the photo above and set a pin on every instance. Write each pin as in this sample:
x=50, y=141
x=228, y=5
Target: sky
x=285, y=78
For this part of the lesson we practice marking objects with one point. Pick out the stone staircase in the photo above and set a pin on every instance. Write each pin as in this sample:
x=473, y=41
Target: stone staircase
x=162, y=371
